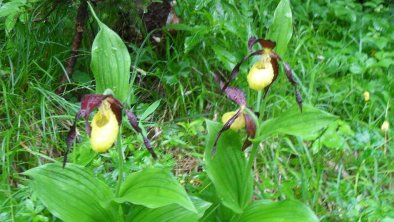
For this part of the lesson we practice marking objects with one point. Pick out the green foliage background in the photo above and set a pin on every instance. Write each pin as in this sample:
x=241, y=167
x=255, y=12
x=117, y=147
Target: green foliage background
x=339, y=49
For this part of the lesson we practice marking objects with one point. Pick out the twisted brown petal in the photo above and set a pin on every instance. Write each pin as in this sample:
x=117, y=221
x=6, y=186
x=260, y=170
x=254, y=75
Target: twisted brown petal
x=298, y=98
x=247, y=143
x=116, y=107
x=250, y=131
x=90, y=102
x=233, y=93
x=250, y=126
x=275, y=66
x=268, y=44
x=225, y=127
x=252, y=40
x=290, y=77
x=71, y=137
x=235, y=71
x=236, y=95
x=289, y=74
x=134, y=123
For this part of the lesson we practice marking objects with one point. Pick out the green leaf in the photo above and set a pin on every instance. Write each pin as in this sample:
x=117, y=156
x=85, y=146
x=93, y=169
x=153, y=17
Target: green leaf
x=281, y=29
x=192, y=41
x=150, y=110
x=184, y=27
x=172, y=212
x=10, y=22
x=73, y=193
x=11, y=8
x=110, y=62
x=227, y=58
x=227, y=168
x=154, y=188
x=282, y=211
x=296, y=123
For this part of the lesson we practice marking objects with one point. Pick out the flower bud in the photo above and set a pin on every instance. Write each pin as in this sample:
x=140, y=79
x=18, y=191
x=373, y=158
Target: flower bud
x=366, y=96
x=260, y=75
x=105, y=128
x=385, y=126
x=239, y=122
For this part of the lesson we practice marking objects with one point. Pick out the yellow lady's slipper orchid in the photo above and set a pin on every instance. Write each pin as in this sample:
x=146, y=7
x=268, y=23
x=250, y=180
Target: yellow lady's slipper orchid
x=239, y=122
x=105, y=128
x=260, y=75
x=385, y=126
x=265, y=72
x=105, y=124
x=366, y=96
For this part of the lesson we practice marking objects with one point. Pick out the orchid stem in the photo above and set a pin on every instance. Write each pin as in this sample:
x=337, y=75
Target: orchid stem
x=120, y=154
x=259, y=108
x=249, y=164
x=258, y=103
x=252, y=155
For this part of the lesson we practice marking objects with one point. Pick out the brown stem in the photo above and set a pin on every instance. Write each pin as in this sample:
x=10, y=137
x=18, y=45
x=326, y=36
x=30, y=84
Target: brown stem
x=82, y=15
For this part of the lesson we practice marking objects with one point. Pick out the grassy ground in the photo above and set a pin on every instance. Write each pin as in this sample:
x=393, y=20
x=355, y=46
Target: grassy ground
x=339, y=50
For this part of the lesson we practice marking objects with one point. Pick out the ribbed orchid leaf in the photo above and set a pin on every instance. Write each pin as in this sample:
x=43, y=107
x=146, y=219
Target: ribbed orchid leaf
x=296, y=123
x=110, y=62
x=73, y=193
x=282, y=211
x=172, y=212
x=227, y=169
x=281, y=29
x=154, y=188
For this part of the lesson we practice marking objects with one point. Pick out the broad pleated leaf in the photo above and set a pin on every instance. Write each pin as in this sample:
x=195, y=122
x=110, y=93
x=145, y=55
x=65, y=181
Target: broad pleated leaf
x=110, y=62
x=282, y=211
x=296, y=123
x=281, y=29
x=73, y=193
x=226, y=168
x=154, y=188
x=172, y=212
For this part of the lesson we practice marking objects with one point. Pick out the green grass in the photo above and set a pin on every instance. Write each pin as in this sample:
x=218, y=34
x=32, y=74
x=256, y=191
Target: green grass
x=336, y=52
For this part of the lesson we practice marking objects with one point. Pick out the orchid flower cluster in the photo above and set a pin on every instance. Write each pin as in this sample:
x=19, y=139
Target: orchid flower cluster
x=104, y=128
x=261, y=76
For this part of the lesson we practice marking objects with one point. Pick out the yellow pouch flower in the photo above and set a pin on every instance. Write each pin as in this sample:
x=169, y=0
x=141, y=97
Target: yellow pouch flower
x=366, y=96
x=105, y=128
x=385, y=126
x=260, y=75
x=239, y=122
